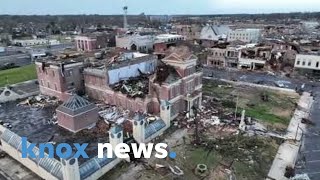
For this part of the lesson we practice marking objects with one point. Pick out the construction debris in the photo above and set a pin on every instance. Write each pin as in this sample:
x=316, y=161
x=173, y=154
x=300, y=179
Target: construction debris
x=40, y=101
x=307, y=121
x=301, y=177
x=114, y=114
x=176, y=170
x=133, y=87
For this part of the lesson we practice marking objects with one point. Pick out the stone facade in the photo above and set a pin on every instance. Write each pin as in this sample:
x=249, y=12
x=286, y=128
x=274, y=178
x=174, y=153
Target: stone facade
x=216, y=57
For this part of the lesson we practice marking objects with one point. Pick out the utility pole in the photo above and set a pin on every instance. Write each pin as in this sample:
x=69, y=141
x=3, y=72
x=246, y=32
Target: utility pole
x=197, y=138
x=235, y=113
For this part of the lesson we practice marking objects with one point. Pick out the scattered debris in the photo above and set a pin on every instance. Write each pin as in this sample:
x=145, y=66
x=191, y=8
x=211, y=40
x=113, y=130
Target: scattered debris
x=176, y=170
x=300, y=177
x=40, y=101
x=133, y=87
x=307, y=121
x=160, y=166
x=290, y=172
x=114, y=114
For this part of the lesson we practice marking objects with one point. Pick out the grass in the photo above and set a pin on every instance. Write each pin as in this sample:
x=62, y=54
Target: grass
x=277, y=110
x=16, y=75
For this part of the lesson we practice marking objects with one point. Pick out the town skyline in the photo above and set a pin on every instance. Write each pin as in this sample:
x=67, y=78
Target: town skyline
x=165, y=7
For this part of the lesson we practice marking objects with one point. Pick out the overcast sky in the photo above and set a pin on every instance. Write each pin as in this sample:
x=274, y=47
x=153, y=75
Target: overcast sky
x=43, y=7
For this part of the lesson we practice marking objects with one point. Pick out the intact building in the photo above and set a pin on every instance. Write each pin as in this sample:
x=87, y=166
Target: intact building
x=307, y=62
x=245, y=35
x=135, y=42
x=76, y=114
x=93, y=41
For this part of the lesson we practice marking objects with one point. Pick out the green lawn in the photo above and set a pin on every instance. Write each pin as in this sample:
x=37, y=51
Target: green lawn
x=277, y=110
x=16, y=75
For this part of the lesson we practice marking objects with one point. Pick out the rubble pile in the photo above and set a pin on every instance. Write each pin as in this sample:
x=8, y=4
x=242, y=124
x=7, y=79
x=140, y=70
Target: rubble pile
x=214, y=121
x=114, y=114
x=40, y=101
x=133, y=87
x=165, y=73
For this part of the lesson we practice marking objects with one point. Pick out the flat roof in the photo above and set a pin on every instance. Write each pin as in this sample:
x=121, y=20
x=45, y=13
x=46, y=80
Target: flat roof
x=165, y=36
x=35, y=124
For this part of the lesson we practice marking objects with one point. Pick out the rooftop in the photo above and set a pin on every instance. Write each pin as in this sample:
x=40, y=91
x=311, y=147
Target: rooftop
x=37, y=125
x=123, y=59
x=183, y=52
x=76, y=105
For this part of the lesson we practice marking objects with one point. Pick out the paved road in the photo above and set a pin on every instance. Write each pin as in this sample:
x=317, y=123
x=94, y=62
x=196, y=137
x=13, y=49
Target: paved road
x=258, y=78
x=310, y=152
x=18, y=59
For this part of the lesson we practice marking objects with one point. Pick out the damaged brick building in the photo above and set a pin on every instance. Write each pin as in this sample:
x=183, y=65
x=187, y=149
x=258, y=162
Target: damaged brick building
x=138, y=81
x=132, y=80
x=61, y=76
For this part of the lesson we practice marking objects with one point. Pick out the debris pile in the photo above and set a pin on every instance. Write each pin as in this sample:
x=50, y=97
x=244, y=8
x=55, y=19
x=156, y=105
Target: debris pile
x=114, y=115
x=165, y=73
x=213, y=121
x=307, y=121
x=40, y=101
x=7, y=125
x=133, y=87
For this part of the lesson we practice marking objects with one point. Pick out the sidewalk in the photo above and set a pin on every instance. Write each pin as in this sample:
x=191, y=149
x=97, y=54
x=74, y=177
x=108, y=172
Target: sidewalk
x=289, y=150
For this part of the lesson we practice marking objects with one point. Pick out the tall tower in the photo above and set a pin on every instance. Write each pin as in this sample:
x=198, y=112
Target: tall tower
x=125, y=12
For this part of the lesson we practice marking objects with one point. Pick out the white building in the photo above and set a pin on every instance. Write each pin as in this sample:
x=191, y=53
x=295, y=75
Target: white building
x=214, y=33
x=135, y=42
x=168, y=38
x=36, y=42
x=245, y=35
x=307, y=61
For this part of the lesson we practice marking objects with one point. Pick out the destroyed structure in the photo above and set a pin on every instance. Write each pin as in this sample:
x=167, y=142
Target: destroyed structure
x=154, y=91
x=60, y=76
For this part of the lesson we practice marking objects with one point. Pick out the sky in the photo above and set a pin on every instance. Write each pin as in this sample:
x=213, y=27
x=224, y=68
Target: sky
x=169, y=7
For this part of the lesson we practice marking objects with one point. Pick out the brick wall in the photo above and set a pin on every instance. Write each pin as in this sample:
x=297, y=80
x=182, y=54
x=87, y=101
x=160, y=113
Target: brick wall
x=78, y=122
x=53, y=82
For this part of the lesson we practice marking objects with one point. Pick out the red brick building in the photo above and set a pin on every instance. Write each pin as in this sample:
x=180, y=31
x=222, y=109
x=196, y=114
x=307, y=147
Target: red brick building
x=89, y=43
x=134, y=81
x=179, y=81
x=101, y=83
x=76, y=114
x=60, y=78
x=176, y=79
